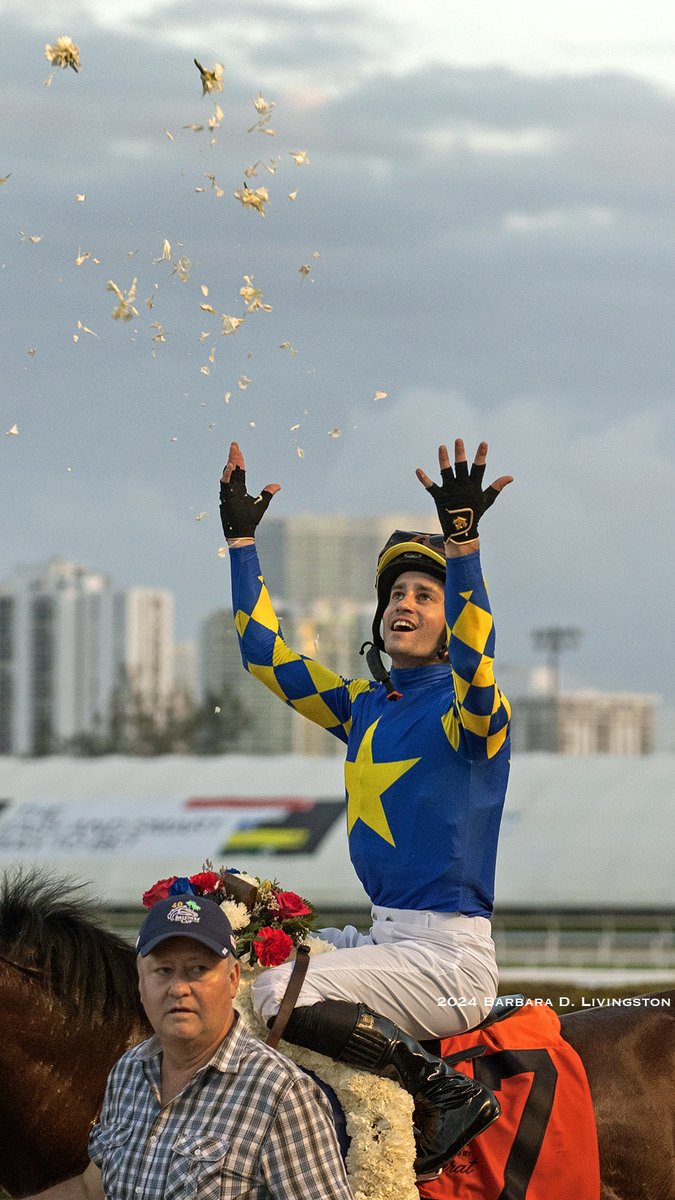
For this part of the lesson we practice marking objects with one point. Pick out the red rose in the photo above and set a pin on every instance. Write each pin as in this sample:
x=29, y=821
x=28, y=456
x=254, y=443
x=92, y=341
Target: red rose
x=158, y=891
x=272, y=946
x=291, y=905
x=206, y=881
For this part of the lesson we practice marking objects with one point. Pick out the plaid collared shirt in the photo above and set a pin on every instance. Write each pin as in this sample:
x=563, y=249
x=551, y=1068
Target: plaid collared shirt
x=250, y=1124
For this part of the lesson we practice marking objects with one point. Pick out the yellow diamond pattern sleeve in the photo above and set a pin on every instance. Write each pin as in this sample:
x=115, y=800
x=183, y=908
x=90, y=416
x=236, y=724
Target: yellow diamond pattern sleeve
x=478, y=722
x=313, y=690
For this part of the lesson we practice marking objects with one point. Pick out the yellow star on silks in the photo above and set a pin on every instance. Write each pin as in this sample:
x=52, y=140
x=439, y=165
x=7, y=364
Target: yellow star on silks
x=366, y=781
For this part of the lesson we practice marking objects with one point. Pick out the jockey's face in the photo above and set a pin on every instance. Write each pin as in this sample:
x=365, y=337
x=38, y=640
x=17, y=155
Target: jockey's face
x=413, y=623
x=187, y=992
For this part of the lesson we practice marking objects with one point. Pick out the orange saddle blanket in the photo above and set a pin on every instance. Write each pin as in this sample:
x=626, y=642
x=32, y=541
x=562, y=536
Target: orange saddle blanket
x=544, y=1146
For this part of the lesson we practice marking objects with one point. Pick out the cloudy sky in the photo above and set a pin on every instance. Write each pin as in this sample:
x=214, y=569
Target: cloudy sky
x=487, y=220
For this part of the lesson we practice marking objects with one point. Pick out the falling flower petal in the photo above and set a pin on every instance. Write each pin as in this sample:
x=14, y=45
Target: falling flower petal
x=255, y=198
x=223, y=551
x=4, y=178
x=64, y=53
x=211, y=80
x=169, y=135
x=205, y=370
x=182, y=269
x=299, y=451
x=335, y=433
x=292, y=195
x=85, y=329
x=287, y=346
x=81, y=197
x=166, y=251
x=381, y=395
x=200, y=516
x=13, y=432
x=252, y=296
x=227, y=397
x=262, y=106
x=304, y=270
x=243, y=382
x=230, y=325
x=300, y=158
x=264, y=109
x=125, y=309
x=160, y=336
x=296, y=427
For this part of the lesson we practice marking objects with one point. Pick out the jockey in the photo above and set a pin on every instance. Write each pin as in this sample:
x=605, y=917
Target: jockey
x=426, y=773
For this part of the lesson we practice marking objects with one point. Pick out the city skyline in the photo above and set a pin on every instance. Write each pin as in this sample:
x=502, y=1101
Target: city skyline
x=67, y=632
x=480, y=243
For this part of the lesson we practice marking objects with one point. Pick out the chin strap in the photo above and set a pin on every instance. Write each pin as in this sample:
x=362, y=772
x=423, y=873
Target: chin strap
x=378, y=670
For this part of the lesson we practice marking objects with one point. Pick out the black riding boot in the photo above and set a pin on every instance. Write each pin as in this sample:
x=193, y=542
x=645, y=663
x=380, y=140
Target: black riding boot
x=450, y=1108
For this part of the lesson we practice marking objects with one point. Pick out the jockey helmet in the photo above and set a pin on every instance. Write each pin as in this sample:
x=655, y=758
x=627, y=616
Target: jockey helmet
x=405, y=551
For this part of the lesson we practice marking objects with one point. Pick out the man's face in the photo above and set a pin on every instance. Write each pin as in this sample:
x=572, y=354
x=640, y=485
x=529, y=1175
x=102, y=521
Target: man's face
x=187, y=992
x=413, y=623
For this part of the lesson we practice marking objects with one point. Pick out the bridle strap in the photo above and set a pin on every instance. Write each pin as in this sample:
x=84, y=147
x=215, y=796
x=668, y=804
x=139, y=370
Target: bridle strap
x=290, y=996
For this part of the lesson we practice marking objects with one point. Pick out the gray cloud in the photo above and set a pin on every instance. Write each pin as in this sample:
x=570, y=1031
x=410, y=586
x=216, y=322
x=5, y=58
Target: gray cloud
x=519, y=291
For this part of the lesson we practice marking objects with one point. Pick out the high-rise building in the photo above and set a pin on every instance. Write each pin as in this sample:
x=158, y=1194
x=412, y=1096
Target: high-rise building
x=144, y=644
x=186, y=671
x=66, y=641
x=56, y=656
x=308, y=557
x=332, y=632
x=267, y=721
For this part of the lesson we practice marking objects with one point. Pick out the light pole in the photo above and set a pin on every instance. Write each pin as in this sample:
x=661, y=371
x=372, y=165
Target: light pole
x=553, y=641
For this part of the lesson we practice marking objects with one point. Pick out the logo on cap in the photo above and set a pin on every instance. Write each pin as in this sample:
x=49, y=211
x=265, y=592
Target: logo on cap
x=188, y=913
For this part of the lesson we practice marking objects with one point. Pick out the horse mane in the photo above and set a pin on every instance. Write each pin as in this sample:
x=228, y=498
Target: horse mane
x=50, y=925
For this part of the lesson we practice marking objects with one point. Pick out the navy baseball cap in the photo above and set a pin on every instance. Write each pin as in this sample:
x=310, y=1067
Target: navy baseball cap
x=188, y=916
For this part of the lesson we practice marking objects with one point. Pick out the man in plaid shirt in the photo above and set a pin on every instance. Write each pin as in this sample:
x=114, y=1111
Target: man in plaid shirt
x=203, y=1109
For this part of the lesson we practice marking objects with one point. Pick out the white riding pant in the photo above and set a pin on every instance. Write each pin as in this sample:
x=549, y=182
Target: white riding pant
x=433, y=974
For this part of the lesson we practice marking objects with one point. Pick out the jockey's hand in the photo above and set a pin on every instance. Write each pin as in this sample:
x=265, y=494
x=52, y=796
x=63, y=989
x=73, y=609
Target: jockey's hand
x=460, y=499
x=239, y=512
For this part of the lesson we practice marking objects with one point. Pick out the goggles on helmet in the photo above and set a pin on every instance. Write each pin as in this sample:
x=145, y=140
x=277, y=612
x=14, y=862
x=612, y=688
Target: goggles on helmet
x=405, y=551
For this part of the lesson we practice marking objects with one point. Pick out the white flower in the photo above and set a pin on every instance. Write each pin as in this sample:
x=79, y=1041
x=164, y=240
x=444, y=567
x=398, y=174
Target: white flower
x=317, y=945
x=236, y=913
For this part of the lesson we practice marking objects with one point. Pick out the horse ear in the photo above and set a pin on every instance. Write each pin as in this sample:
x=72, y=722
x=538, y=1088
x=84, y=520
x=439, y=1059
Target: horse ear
x=238, y=889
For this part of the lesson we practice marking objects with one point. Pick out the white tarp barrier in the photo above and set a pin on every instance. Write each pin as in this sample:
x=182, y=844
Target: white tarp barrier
x=592, y=832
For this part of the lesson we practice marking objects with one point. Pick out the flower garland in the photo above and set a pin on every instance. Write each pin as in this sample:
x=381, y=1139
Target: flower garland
x=378, y=1113
x=268, y=923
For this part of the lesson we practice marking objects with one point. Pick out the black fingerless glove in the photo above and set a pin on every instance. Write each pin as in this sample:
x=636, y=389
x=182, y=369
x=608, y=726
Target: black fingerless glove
x=239, y=512
x=461, y=501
